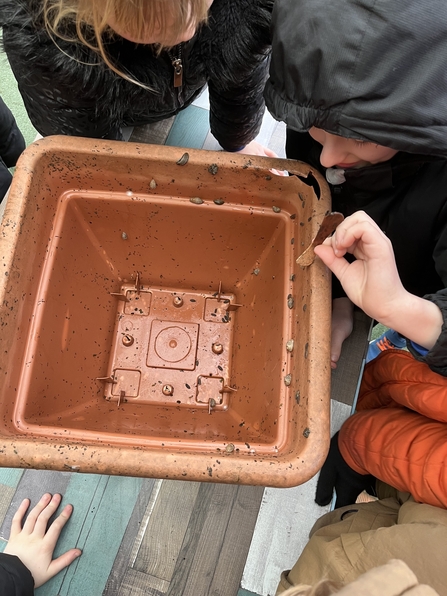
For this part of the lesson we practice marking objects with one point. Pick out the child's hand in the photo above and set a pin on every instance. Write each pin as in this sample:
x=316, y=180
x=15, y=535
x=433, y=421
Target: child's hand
x=255, y=148
x=34, y=544
x=371, y=281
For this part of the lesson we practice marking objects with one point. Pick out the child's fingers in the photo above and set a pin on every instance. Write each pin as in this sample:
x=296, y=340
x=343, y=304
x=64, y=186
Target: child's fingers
x=56, y=566
x=279, y=172
x=16, y=524
x=354, y=228
x=358, y=217
x=40, y=514
x=344, y=237
x=362, y=233
x=55, y=529
x=336, y=264
x=42, y=520
x=30, y=521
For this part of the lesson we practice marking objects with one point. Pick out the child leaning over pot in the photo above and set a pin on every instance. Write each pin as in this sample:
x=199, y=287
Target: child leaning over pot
x=12, y=144
x=397, y=438
x=361, y=85
x=90, y=67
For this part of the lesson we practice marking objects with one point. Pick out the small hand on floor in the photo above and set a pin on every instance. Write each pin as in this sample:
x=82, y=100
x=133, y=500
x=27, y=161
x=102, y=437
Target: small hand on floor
x=34, y=544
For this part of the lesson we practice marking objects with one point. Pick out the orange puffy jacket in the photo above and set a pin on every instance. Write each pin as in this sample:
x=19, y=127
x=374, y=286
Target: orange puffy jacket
x=399, y=432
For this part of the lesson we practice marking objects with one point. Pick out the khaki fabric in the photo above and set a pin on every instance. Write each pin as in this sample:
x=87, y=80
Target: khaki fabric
x=348, y=542
x=393, y=579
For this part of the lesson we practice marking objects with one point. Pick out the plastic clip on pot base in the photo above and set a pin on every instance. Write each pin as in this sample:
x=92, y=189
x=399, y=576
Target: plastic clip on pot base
x=154, y=320
x=171, y=347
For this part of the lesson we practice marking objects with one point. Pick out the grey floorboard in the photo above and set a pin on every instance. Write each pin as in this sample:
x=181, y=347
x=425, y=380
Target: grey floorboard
x=204, y=543
x=345, y=378
x=33, y=484
x=122, y=559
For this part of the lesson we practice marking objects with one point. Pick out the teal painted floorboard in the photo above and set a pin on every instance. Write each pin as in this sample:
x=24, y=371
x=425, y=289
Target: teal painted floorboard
x=10, y=476
x=190, y=128
x=243, y=592
x=102, y=508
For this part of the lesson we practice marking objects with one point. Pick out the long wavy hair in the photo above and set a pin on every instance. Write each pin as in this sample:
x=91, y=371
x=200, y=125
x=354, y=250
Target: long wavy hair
x=86, y=21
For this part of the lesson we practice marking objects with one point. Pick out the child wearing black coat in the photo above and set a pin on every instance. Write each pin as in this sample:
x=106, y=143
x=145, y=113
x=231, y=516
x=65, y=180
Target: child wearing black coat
x=12, y=144
x=361, y=85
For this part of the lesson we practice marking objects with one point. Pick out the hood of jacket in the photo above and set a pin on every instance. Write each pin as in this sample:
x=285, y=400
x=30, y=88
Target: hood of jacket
x=368, y=69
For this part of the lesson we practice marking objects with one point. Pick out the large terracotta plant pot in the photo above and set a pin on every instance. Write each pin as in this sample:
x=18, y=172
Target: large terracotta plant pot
x=153, y=319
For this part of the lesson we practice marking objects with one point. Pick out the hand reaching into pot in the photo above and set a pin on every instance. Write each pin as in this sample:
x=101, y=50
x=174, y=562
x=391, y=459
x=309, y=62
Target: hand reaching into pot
x=373, y=283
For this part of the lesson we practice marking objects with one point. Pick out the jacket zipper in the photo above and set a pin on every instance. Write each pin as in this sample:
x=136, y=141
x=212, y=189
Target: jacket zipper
x=177, y=65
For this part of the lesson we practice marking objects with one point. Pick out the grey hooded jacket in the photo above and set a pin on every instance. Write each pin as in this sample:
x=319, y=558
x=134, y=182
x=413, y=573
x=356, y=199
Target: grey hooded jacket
x=367, y=69
x=374, y=70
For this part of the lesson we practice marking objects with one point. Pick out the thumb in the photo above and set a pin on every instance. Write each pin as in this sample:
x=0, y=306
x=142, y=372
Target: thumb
x=337, y=265
x=61, y=562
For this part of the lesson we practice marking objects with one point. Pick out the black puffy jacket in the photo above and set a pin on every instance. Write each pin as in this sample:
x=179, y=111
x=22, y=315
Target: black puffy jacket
x=67, y=89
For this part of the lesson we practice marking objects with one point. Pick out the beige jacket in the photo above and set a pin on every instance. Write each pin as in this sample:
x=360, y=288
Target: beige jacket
x=348, y=542
x=393, y=579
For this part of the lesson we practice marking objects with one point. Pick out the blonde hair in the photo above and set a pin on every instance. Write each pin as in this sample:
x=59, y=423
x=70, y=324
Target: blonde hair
x=325, y=587
x=91, y=17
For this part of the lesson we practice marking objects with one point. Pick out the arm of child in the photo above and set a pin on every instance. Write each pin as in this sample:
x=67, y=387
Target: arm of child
x=372, y=281
x=400, y=448
x=255, y=148
x=34, y=544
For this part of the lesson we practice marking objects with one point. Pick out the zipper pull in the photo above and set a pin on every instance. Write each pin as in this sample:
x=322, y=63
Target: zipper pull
x=178, y=72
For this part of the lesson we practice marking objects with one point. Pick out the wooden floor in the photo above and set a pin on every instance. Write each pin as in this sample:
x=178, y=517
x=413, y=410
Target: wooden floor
x=162, y=537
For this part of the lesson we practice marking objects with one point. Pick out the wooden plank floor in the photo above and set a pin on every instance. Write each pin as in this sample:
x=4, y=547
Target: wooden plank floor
x=191, y=534
x=155, y=538
x=287, y=515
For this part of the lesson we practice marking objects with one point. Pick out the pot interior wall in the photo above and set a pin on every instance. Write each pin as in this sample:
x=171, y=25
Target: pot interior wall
x=101, y=241
x=153, y=314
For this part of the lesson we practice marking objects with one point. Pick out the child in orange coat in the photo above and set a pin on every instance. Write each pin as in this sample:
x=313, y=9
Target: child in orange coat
x=399, y=432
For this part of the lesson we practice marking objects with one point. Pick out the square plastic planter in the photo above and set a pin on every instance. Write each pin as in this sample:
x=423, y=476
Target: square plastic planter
x=154, y=321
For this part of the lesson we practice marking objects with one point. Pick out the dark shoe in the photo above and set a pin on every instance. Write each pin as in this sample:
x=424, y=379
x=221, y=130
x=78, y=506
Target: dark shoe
x=337, y=475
